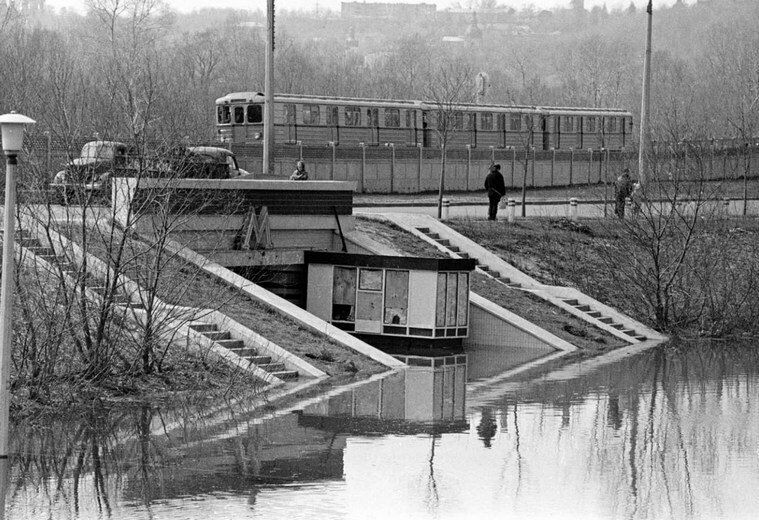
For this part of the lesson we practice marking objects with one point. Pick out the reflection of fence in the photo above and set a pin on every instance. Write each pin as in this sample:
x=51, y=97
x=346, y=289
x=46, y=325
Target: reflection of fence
x=407, y=169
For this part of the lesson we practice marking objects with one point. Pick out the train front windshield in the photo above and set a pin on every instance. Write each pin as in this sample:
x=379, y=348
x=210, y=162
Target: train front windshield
x=239, y=121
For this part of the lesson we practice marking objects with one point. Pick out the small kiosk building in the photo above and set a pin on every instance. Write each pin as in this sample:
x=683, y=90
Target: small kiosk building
x=396, y=303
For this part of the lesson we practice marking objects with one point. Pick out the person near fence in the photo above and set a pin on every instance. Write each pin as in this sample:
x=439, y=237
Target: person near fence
x=300, y=173
x=623, y=188
x=496, y=188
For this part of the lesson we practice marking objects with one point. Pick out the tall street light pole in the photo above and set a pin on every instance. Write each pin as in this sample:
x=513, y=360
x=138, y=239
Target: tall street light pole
x=12, y=126
x=268, y=159
x=644, y=144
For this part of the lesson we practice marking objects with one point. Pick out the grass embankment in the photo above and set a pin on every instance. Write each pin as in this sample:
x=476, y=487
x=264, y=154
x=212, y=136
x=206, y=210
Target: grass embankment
x=523, y=303
x=183, y=284
x=694, y=279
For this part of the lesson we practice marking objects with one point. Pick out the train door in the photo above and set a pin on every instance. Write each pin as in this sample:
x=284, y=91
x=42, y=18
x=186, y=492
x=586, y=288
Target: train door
x=545, y=130
x=291, y=123
x=372, y=121
x=426, y=141
x=333, y=127
x=582, y=132
x=557, y=132
x=411, y=127
x=501, y=127
x=471, y=128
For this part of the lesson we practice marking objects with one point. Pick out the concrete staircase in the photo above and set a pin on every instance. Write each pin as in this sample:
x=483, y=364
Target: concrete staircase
x=224, y=339
x=598, y=315
x=458, y=253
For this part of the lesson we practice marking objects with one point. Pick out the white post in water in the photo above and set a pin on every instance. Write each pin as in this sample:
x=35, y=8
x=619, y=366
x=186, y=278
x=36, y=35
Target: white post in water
x=268, y=155
x=446, y=209
x=644, y=142
x=511, y=204
x=12, y=126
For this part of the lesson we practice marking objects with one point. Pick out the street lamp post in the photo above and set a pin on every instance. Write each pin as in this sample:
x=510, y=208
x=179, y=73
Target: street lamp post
x=12, y=126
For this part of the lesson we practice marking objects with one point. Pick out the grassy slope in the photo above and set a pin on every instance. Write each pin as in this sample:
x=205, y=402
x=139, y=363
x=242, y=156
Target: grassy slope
x=185, y=285
x=522, y=303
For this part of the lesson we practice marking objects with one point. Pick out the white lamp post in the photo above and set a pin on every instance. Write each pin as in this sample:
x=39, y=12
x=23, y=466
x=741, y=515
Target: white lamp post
x=12, y=126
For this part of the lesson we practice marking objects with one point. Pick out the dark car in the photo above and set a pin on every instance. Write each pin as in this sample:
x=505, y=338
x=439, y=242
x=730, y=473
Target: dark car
x=209, y=162
x=91, y=171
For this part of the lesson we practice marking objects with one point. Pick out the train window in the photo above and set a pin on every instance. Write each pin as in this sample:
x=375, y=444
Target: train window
x=310, y=114
x=590, y=124
x=239, y=115
x=569, y=124
x=528, y=122
x=352, y=116
x=501, y=122
x=372, y=117
x=332, y=116
x=612, y=125
x=392, y=117
x=515, y=123
x=457, y=120
x=471, y=121
x=290, y=113
x=255, y=114
x=557, y=124
x=223, y=115
x=411, y=118
x=486, y=121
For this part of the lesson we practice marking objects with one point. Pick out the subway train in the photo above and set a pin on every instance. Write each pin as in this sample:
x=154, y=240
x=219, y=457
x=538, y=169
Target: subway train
x=321, y=120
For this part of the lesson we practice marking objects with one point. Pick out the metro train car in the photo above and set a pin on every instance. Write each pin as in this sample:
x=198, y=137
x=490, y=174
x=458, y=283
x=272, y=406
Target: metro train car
x=319, y=120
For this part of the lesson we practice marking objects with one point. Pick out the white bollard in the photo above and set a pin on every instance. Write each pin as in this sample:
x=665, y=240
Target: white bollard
x=512, y=207
x=446, y=209
x=573, y=209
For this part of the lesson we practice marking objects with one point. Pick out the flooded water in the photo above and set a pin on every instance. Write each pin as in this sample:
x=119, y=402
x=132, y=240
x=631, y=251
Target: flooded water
x=668, y=433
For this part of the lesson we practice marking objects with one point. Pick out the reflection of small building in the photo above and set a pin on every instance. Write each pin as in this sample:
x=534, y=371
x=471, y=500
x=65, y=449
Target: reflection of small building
x=373, y=10
x=393, y=302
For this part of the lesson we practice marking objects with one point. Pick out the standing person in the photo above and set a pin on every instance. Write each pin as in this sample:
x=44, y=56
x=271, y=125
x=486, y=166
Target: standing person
x=623, y=188
x=300, y=173
x=496, y=189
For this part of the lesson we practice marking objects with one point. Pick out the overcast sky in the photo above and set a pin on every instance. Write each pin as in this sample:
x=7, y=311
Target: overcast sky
x=189, y=5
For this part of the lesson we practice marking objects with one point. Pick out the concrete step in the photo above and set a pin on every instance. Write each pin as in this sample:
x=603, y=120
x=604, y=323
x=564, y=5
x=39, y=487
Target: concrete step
x=217, y=335
x=433, y=236
x=272, y=367
x=583, y=308
x=286, y=374
x=630, y=332
x=424, y=230
x=606, y=319
x=573, y=302
x=444, y=242
x=505, y=280
x=259, y=360
x=454, y=249
x=484, y=268
x=233, y=344
x=464, y=255
x=640, y=337
x=595, y=314
x=618, y=326
x=204, y=327
x=515, y=285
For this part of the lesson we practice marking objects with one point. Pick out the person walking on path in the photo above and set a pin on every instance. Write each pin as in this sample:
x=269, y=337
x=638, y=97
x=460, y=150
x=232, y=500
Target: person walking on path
x=496, y=188
x=300, y=173
x=623, y=188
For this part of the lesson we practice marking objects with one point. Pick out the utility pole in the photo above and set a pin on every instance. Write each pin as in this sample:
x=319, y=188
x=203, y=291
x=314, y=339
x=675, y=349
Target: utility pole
x=268, y=155
x=644, y=144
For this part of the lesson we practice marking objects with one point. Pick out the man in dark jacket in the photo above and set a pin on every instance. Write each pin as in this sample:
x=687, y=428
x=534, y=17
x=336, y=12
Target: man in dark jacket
x=623, y=188
x=496, y=188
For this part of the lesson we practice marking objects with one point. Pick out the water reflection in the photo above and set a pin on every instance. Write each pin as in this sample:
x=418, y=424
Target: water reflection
x=664, y=434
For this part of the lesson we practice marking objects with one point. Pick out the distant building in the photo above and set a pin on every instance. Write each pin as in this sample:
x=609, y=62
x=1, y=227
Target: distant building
x=352, y=10
x=474, y=32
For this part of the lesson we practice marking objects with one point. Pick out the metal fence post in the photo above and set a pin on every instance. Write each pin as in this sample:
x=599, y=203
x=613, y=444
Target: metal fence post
x=571, y=164
x=513, y=164
x=534, y=160
x=553, y=163
x=573, y=209
x=334, y=160
x=419, y=172
x=363, y=167
x=590, y=164
x=392, y=166
x=468, y=165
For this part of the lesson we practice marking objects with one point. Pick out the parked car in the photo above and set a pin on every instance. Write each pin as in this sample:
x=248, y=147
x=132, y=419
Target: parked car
x=94, y=166
x=90, y=173
x=210, y=162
